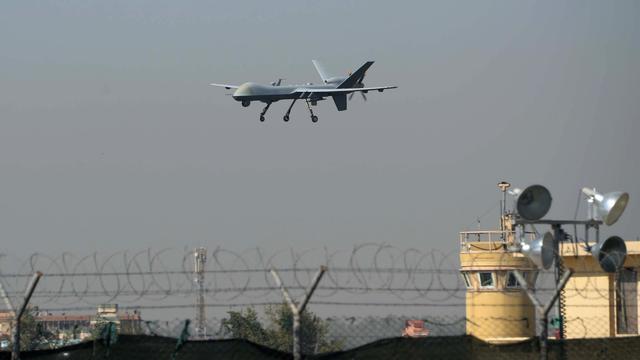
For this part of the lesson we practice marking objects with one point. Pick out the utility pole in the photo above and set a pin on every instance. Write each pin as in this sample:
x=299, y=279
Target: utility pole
x=201, y=320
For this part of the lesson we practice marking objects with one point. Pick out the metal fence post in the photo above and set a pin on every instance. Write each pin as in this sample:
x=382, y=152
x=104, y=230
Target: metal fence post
x=15, y=353
x=543, y=310
x=296, y=309
x=6, y=298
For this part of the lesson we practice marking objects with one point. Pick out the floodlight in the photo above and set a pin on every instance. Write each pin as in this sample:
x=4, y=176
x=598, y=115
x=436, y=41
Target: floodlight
x=534, y=202
x=610, y=253
x=539, y=250
x=609, y=206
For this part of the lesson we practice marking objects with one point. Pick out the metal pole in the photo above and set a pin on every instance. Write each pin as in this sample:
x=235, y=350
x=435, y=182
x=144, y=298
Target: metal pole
x=6, y=298
x=558, y=236
x=201, y=318
x=297, y=310
x=15, y=354
x=543, y=310
x=312, y=288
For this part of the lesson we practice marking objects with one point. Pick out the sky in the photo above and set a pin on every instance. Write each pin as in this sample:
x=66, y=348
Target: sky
x=111, y=138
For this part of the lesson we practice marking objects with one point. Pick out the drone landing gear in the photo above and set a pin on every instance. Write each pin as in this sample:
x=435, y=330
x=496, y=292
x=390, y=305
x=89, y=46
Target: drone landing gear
x=313, y=117
x=264, y=111
x=286, y=116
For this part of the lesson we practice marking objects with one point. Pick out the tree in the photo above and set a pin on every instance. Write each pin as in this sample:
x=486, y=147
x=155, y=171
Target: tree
x=278, y=334
x=28, y=330
x=32, y=334
x=313, y=331
x=245, y=325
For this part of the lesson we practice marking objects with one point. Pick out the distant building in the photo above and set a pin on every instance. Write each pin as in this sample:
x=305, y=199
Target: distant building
x=6, y=323
x=78, y=326
x=127, y=323
x=415, y=328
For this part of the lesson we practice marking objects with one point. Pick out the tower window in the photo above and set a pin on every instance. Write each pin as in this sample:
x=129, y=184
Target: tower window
x=512, y=282
x=486, y=279
x=467, y=281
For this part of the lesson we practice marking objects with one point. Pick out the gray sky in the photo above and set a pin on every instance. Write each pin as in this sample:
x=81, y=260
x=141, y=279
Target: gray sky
x=111, y=139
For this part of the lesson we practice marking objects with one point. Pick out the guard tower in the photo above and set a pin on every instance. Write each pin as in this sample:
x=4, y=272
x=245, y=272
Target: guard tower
x=497, y=309
x=599, y=300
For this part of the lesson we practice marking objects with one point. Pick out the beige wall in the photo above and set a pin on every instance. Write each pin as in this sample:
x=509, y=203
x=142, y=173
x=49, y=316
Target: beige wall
x=589, y=297
x=495, y=314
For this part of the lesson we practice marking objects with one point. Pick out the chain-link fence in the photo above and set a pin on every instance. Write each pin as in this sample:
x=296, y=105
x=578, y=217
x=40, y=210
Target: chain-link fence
x=351, y=338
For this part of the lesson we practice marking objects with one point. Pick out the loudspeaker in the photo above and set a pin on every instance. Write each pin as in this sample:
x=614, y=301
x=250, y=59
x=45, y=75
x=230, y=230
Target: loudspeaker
x=534, y=202
x=610, y=253
x=608, y=206
x=539, y=250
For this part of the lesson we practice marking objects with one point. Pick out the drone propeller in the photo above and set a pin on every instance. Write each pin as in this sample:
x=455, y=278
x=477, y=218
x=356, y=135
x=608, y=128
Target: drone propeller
x=364, y=97
x=359, y=84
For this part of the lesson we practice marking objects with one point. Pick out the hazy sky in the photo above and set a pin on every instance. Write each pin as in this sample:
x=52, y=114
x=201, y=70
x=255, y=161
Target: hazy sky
x=111, y=138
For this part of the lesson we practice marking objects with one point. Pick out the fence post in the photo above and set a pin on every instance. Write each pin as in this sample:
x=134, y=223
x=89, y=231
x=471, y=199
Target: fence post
x=6, y=299
x=296, y=309
x=543, y=310
x=15, y=354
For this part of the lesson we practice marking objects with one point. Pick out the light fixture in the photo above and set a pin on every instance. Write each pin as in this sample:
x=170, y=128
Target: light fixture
x=608, y=207
x=533, y=203
x=539, y=250
x=610, y=253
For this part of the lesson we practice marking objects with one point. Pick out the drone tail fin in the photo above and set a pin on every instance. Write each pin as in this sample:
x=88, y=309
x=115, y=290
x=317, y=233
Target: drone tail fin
x=341, y=101
x=356, y=76
x=324, y=75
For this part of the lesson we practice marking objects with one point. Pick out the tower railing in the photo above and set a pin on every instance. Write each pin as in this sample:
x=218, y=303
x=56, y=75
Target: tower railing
x=495, y=240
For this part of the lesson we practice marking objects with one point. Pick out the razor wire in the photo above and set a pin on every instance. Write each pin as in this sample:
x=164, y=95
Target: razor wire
x=409, y=277
x=155, y=275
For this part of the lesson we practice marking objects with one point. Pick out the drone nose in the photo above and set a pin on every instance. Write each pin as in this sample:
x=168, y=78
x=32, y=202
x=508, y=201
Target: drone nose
x=243, y=90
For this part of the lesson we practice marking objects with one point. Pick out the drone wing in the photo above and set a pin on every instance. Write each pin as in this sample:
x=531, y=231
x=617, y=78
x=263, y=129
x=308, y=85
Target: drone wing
x=226, y=86
x=342, y=91
x=339, y=95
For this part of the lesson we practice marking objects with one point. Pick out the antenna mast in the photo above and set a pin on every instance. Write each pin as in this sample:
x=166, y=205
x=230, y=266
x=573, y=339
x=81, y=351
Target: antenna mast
x=503, y=186
x=201, y=323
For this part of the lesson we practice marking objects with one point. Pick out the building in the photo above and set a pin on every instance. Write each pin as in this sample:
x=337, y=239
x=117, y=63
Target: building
x=414, y=328
x=497, y=309
x=593, y=304
x=596, y=303
x=127, y=323
x=6, y=323
x=78, y=326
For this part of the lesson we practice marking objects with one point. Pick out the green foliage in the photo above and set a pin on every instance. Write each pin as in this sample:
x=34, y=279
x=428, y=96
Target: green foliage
x=100, y=327
x=278, y=334
x=32, y=335
x=245, y=325
x=28, y=330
